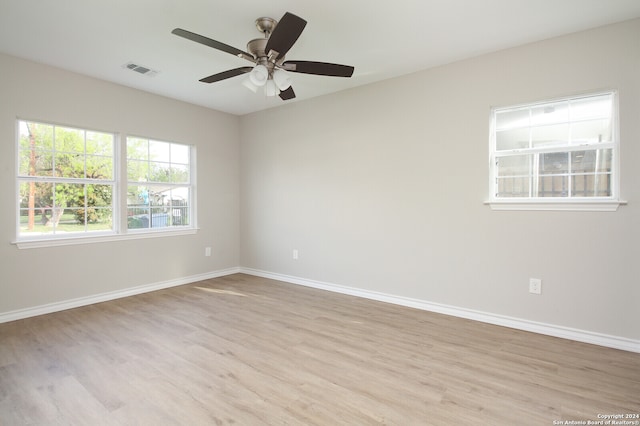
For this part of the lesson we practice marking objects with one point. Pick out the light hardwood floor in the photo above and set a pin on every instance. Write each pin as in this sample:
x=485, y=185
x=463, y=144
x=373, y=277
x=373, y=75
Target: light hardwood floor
x=247, y=351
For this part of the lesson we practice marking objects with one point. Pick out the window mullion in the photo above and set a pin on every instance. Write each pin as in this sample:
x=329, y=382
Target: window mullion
x=596, y=177
x=570, y=177
x=535, y=181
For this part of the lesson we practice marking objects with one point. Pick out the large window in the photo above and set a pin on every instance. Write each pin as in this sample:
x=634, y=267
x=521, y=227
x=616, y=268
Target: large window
x=72, y=182
x=556, y=151
x=159, y=189
x=65, y=180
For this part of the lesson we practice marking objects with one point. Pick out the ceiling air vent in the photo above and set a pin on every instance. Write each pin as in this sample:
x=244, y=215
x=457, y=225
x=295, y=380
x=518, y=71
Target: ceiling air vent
x=140, y=69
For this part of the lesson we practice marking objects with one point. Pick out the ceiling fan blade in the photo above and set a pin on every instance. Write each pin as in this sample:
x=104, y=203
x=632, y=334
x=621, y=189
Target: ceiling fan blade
x=212, y=43
x=226, y=74
x=319, y=68
x=287, y=94
x=285, y=34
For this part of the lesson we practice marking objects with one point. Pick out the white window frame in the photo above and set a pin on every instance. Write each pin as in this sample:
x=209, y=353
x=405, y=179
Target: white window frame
x=609, y=203
x=119, y=202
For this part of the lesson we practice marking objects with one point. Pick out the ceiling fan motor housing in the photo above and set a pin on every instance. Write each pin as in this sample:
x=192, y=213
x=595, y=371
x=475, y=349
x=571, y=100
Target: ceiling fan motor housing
x=256, y=48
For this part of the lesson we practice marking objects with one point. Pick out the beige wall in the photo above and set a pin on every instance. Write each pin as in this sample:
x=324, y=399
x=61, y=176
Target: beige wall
x=381, y=188
x=35, y=277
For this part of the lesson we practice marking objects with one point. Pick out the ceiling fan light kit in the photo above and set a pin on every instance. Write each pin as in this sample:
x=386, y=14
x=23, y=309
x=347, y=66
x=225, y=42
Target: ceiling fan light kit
x=259, y=75
x=282, y=79
x=268, y=55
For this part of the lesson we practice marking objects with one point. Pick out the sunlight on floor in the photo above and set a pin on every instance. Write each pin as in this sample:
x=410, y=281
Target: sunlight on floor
x=217, y=290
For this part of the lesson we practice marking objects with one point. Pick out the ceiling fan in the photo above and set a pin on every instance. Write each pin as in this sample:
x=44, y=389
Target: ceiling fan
x=268, y=55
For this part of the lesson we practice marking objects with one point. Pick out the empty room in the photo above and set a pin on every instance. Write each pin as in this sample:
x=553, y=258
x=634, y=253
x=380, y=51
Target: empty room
x=338, y=213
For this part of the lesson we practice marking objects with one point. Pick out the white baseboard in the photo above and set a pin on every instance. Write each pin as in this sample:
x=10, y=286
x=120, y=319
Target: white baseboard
x=103, y=297
x=584, y=336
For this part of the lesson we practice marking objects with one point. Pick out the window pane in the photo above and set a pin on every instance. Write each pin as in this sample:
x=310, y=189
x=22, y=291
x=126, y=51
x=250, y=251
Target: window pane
x=179, y=154
x=71, y=220
x=594, y=185
x=551, y=113
x=44, y=163
x=41, y=193
x=592, y=161
x=180, y=215
x=37, y=163
x=99, y=219
x=553, y=186
x=137, y=219
x=179, y=201
x=137, y=207
x=69, y=140
x=512, y=139
x=40, y=224
x=159, y=218
x=157, y=206
x=554, y=163
x=36, y=136
x=604, y=160
x=100, y=143
x=138, y=196
x=27, y=163
x=591, y=107
x=514, y=165
x=99, y=167
x=592, y=173
x=180, y=174
x=551, y=135
x=70, y=195
x=137, y=171
x=511, y=187
x=512, y=119
x=98, y=205
x=159, y=151
x=23, y=193
x=583, y=162
x=591, y=131
x=137, y=149
x=514, y=176
x=48, y=213
x=36, y=199
x=160, y=172
x=602, y=185
x=68, y=165
x=159, y=195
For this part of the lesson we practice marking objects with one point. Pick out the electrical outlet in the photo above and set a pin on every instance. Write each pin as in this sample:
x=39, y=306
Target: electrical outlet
x=295, y=254
x=207, y=251
x=535, y=285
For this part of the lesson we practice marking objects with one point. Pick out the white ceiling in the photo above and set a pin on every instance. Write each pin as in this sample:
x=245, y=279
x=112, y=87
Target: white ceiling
x=380, y=39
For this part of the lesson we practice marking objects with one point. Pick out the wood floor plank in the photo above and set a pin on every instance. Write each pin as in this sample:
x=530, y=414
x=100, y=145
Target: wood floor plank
x=245, y=350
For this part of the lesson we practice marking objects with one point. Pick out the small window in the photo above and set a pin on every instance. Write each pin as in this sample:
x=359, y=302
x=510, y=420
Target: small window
x=558, y=151
x=65, y=181
x=159, y=189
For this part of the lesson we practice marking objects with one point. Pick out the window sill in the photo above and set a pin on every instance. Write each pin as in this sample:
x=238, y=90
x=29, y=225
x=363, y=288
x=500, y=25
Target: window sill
x=557, y=205
x=102, y=238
